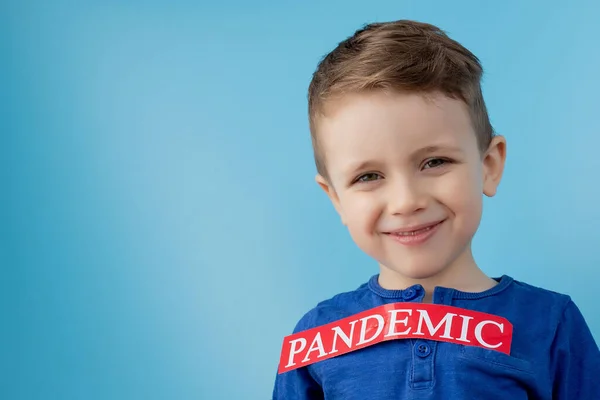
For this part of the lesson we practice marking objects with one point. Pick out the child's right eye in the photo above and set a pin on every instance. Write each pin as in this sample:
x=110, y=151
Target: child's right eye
x=371, y=176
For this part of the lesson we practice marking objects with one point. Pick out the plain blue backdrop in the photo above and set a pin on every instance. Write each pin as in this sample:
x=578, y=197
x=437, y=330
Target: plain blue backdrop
x=160, y=228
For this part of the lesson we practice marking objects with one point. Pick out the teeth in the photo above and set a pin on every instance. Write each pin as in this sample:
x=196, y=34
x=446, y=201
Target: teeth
x=413, y=233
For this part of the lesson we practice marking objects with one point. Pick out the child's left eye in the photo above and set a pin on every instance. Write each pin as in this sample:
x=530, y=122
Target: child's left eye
x=433, y=163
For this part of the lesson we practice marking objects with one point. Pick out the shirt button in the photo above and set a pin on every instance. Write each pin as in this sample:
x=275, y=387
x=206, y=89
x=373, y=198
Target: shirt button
x=409, y=294
x=423, y=350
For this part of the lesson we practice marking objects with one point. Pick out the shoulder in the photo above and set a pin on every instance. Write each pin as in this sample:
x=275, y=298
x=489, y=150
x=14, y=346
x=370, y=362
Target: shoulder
x=337, y=307
x=536, y=297
x=547, y=311
x=534, y=312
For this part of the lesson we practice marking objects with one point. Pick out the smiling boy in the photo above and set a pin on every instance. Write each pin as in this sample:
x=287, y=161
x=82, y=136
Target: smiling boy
x=405, y=152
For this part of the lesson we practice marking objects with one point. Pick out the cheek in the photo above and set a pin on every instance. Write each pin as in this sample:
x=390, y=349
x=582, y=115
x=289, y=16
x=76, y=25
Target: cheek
x=362, y=211
x=463, y=194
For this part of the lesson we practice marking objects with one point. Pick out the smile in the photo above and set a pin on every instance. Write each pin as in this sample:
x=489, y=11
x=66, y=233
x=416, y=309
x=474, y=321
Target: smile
x=415, y=235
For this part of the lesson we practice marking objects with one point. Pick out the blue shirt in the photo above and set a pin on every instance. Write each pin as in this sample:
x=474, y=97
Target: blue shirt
x=553, y=354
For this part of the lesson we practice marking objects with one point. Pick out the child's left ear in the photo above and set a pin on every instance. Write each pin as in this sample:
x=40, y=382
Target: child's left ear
x=493, y=165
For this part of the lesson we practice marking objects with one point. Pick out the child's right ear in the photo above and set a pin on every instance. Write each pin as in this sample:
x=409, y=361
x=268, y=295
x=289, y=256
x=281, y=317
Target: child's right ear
x=330, y=191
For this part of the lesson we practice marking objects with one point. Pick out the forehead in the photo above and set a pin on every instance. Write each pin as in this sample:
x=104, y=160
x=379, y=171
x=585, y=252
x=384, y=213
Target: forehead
x=392, y=125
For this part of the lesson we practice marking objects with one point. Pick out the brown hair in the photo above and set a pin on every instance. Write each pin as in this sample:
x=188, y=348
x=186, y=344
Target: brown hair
x=403, y=56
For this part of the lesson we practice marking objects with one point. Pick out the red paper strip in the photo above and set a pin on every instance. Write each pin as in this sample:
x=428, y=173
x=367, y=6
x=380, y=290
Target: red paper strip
x=396, y=321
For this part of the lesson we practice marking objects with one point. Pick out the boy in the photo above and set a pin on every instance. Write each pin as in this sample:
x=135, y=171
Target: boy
x=404, y=150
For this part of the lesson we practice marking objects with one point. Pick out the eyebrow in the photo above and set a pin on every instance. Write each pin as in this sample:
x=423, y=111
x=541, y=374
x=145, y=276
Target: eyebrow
x=437, y=148
x=363, y=165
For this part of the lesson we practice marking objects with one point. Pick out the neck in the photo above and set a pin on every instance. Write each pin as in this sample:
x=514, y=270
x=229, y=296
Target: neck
x=463, y=274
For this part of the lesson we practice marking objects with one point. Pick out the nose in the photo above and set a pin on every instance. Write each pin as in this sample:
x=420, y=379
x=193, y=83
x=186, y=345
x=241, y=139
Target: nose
x=406, y=196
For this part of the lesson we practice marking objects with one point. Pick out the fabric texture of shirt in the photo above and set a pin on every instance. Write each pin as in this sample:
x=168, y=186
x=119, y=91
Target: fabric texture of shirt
x=553, y=354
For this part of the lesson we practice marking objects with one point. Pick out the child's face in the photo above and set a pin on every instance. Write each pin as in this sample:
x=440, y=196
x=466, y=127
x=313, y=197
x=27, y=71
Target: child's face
x=400, y=161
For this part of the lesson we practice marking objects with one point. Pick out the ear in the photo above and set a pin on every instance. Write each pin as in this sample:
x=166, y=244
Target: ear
x=493, y=165
x=330, y=191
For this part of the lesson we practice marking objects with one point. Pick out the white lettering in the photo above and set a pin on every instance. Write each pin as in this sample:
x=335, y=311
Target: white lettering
x=363, y=330
x=317, y=344
x=294, y=351
x=465, y=329
x=394, y=321
x=345, y=338
x=447, y=320
x=479, y=328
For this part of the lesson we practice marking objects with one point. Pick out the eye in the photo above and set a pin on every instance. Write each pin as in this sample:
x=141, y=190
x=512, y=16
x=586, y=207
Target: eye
x=434, y=163
x=371, y=176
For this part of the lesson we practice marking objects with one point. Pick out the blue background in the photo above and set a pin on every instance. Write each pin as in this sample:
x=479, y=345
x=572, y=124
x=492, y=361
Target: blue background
x=160, y=228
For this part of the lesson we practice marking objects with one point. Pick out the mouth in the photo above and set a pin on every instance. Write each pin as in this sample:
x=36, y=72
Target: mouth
x=415, y=230
x=417, y=234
